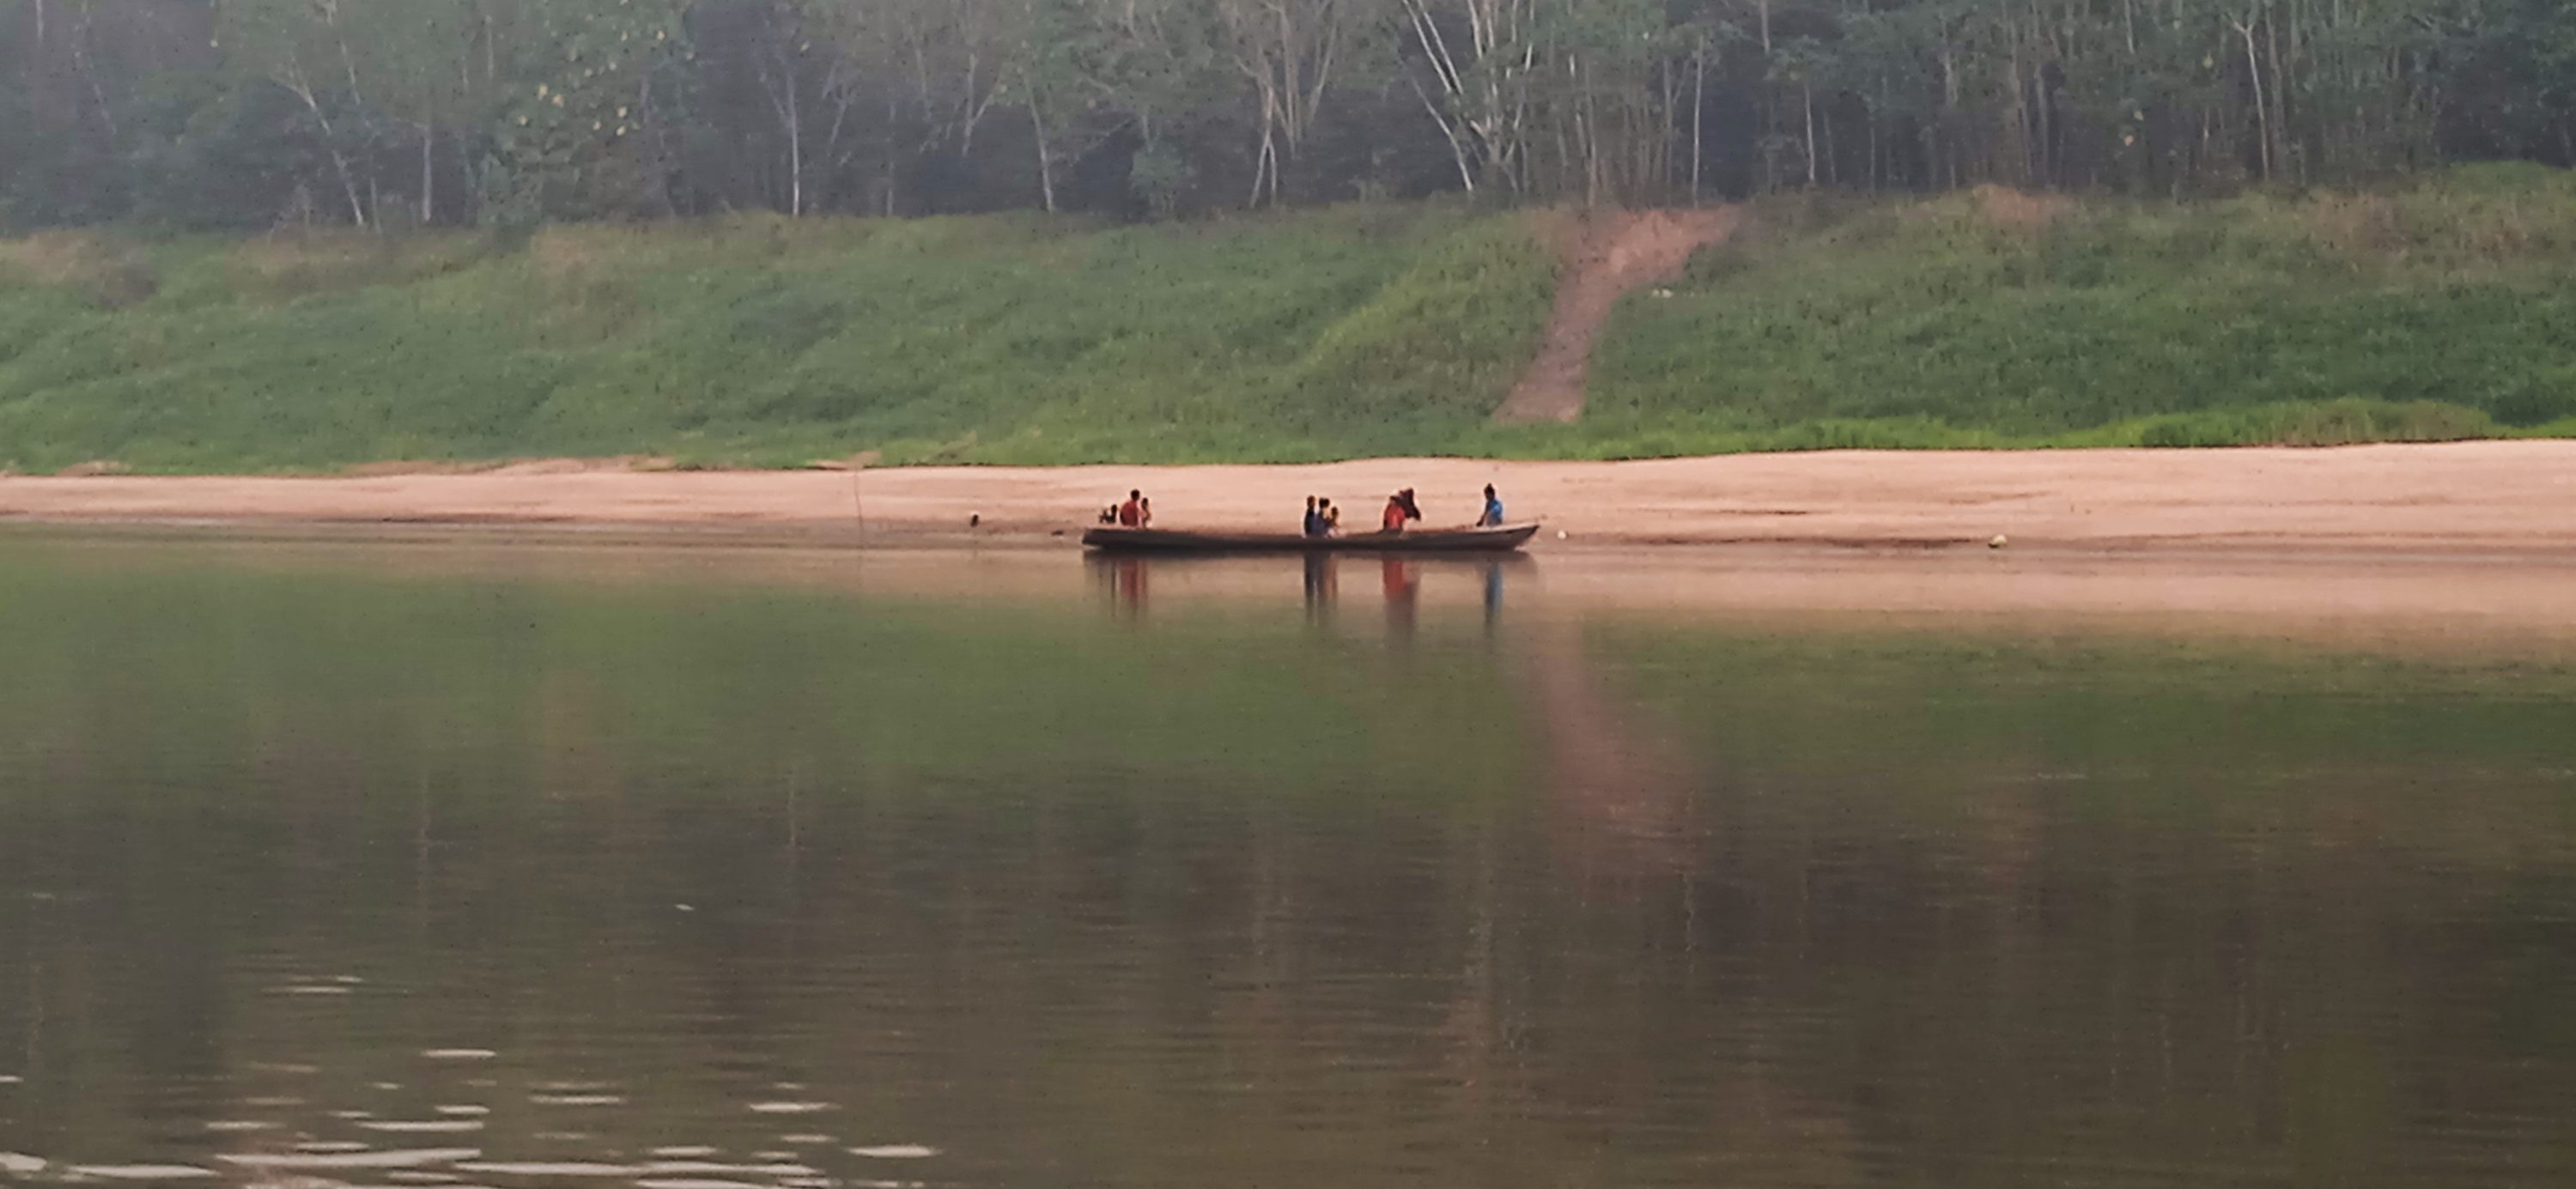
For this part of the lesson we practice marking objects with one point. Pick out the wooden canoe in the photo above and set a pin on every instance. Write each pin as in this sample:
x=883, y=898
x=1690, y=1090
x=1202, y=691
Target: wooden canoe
x=1426, y=540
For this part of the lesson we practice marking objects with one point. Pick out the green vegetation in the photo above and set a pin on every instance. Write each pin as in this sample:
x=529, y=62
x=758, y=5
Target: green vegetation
x=2438, y=310
x=767, y=341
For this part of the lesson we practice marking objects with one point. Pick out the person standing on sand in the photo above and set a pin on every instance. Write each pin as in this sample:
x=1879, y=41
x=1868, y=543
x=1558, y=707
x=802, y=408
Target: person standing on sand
x=1132, y=513
x=1493, y=517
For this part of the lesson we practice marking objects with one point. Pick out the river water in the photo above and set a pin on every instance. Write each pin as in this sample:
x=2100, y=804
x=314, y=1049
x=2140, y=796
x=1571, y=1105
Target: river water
x=525, y=866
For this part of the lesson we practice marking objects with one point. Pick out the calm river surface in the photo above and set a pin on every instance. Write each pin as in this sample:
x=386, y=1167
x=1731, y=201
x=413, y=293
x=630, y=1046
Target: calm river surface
x=536, y=867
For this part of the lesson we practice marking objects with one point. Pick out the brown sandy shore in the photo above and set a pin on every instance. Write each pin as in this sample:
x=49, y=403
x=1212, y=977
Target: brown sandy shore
x=2508, y=498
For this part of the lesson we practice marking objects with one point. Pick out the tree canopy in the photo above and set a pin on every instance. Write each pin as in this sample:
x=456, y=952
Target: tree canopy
x=256, y=113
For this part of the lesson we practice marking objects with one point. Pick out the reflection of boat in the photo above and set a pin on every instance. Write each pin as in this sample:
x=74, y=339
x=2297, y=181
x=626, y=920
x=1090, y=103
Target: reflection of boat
x=1429, y=540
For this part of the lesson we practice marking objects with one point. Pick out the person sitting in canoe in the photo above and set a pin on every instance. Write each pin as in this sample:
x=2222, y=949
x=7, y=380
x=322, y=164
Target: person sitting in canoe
x=1332, y=515
x=1493, y=517
x=1400, y=508
x=1132, y=513
x=1314, y=519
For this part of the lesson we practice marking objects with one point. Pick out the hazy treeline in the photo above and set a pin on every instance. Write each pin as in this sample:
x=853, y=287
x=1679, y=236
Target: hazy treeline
x=251, y=113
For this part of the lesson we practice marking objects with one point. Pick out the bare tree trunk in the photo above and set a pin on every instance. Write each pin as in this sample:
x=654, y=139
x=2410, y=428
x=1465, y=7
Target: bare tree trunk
x=1807, y=91
x=81, y=59
x=795, y=153
x=330, y=141
x=428, y=174
x=2262, y=110
x=1046, y=161
x=1699, y=111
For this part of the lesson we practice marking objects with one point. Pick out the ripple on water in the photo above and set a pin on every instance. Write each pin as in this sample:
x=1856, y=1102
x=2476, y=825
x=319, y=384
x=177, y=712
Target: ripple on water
x=236, y=1126
x=423, y=1126
x=407, y=1158
x=142, y=1172
x=790, y=1108
x=702, y=1168
x=804, y=1138
x=684, y=1151
x=578, y=1099
x=406, y=1176
x=328, y=1147
x=17, y=1164
x=896, y=1152
x=547, y=1168
x=463, y=1109
x=459, y=1054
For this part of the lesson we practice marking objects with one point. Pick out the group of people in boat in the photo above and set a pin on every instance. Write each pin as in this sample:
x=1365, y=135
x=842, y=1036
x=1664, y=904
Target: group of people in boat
x=1137, y=512
x=1325, y=520
x=1323, y=517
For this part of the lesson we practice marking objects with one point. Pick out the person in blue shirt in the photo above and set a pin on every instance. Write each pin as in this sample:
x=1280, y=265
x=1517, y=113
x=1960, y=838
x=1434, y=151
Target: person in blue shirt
x=1314, y=519
x=1493, y=517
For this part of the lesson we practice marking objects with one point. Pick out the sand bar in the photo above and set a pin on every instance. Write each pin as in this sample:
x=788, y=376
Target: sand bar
x=2479, y=497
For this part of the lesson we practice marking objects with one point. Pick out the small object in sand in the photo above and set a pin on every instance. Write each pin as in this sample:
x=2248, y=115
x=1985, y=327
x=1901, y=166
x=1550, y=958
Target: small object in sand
x=1560, y=534
x=974, y=520
x=1998, y=542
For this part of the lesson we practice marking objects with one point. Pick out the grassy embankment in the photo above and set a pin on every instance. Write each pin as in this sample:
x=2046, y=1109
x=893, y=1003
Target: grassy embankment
x=2440, y=309
x=767, y=342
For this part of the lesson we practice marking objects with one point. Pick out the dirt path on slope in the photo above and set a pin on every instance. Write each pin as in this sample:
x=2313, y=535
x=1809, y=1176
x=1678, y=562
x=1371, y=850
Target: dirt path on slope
x=1612, y=256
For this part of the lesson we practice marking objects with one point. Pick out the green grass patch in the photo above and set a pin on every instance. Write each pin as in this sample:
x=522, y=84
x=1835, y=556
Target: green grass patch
x=767, y=341
x=2435, y=311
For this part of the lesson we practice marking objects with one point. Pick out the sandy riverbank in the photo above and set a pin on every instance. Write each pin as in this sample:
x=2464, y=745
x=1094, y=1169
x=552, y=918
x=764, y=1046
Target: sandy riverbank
x=2476, y=497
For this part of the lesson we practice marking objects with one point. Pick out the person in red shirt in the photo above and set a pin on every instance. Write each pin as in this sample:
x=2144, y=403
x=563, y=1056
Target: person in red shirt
x=1132, y=513
x=1400, y=508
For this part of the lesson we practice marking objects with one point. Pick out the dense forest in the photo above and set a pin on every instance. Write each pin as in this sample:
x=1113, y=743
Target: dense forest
x=260, y=113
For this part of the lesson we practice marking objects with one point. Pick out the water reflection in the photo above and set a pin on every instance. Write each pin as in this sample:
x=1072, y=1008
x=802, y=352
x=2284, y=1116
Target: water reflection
x=711, y=883
x=1323, y=584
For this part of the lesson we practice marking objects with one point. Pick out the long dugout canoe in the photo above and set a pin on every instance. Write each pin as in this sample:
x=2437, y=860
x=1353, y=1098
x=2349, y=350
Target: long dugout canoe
x=1431, y=540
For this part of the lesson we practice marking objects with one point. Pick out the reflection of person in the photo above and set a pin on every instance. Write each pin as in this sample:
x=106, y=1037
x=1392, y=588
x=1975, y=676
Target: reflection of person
x=1132, y=513
x=1401, y=586
x=1320, y=583
x=1493, y=517
x=1129, y=591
